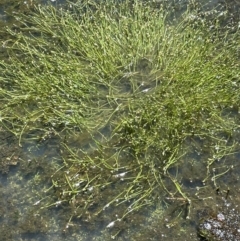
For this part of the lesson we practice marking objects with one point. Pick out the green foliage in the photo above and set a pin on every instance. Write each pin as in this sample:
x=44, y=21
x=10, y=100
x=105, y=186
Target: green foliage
x=124, y=67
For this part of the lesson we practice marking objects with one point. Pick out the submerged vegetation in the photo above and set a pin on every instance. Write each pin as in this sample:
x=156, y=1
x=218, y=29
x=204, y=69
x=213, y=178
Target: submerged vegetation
x=128, y=92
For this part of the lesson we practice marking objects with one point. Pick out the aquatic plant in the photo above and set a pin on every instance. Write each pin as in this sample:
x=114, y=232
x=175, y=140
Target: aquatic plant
x=134, y=85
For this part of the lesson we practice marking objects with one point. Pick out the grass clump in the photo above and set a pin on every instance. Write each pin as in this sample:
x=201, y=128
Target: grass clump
x=123, y=67
x=67, y=69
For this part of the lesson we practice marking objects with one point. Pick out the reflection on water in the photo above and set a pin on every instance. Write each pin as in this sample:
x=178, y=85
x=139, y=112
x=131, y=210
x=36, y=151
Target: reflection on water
x=30, y=209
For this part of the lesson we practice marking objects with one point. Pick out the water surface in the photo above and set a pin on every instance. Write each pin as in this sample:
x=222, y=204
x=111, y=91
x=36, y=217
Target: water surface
x=30, y=209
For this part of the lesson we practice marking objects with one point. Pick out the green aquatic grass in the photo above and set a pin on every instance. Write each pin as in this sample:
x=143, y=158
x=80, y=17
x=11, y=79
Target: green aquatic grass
x=124, y=67
x=64, y=69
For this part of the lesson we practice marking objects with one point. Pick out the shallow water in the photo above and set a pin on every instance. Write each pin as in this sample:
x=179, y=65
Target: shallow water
x=30, y=210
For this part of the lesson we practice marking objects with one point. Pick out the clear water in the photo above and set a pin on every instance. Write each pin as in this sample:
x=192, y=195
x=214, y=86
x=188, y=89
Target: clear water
x=29, y=209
